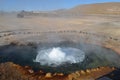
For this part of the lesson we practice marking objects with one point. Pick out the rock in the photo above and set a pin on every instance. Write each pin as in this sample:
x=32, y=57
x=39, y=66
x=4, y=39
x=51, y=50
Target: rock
x=30, y=71
x=113, y=68
x=70, y=77
x=74, y=76
x=41, y=71
x=88, y=71
x=54, y=74
x=93, y=70
x=77, y=73
x=59, y=74
x=97, y=69
x=48, y=75
x=82, y=72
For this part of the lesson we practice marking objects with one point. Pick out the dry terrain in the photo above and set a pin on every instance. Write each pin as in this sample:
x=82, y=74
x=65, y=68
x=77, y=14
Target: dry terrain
x=105, y=29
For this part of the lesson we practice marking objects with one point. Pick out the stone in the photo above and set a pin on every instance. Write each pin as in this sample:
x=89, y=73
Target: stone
x=30, y=71
x=60, y=74
x=77, y=73
x=48, y=75
x=82, y=72
x=88, y=71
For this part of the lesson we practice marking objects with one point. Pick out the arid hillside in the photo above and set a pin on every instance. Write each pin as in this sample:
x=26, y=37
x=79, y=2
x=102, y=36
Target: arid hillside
x=111, y=8
x=98, y=8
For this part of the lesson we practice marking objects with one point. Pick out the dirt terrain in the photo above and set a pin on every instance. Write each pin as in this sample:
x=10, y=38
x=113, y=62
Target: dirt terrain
x=104, y=29
x=94, y=28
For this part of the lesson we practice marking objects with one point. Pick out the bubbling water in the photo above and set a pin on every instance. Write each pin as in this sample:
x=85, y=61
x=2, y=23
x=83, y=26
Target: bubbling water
x=58, y=56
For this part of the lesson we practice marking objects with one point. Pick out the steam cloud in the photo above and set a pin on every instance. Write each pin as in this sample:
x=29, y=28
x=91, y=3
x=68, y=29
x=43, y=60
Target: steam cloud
x=57, y=56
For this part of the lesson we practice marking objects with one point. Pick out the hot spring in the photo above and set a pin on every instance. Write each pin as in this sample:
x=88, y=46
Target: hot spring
x=65, y=57
x=58, y=56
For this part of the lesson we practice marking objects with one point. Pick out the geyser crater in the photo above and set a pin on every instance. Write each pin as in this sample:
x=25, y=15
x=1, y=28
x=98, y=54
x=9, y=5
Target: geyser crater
x=57, y=56
x=70, y=56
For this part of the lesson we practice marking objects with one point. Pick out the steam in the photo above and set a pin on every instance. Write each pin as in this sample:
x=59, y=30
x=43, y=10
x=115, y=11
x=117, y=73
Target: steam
x=57, y=56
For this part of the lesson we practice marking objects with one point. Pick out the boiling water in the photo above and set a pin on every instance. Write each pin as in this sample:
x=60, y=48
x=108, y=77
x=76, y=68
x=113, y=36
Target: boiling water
x=58, y=56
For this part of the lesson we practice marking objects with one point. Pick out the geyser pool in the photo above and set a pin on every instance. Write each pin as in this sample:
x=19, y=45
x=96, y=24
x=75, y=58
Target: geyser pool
x=69, y=56
x=57, y=56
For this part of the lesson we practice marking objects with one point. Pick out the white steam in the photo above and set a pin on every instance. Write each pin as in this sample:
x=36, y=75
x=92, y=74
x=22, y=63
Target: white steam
x=58, y=56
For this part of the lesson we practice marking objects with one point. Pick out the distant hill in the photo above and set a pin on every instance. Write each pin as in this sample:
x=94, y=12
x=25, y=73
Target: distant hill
x=99, y=8
x=111, y=8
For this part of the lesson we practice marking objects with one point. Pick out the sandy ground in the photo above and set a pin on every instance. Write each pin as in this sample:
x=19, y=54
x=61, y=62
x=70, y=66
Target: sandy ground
x=96, y=29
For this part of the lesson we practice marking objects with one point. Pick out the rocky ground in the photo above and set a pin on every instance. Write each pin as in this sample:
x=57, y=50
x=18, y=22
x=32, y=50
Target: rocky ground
x=10, y=71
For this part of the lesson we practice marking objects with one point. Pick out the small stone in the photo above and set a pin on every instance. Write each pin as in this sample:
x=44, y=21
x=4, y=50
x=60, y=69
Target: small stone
x=31, y=71
x=88, y=71
x=77, y=72
x=27, y=67
x=82, y=72
x=70, y=77
x=97, y=69
x=113, y=68
x=41, y=71
x=93, y=69
x=60, y=74
x=54, y=74
x=48, y=75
